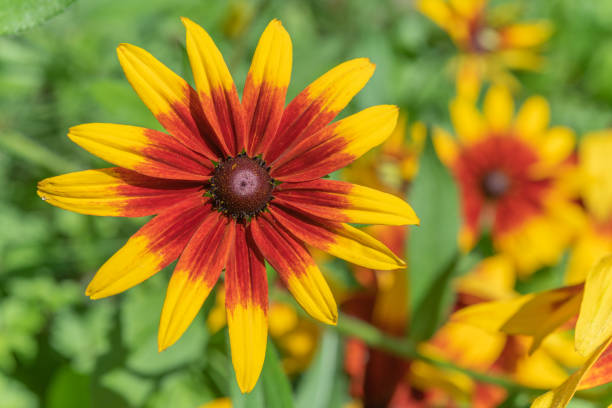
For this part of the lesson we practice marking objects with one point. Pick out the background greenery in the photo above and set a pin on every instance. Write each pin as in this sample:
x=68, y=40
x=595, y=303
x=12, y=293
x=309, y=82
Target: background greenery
x=60, y=350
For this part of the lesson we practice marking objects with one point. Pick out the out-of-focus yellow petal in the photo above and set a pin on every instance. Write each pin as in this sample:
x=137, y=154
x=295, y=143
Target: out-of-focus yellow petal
x=594, y=325
x=218, y=403
x=492, y=279
x=467, y=8
x=491, y=315
x=436, y=10
x=499, y=108
x=533, y=118
x=539, y=370
x=468, y=122
x=561, y=396
x=517, y=58
x=557, y=145
x=590, y=247
x=594, y=152
x=469, y=77
x=446, y=146
x=523, y=35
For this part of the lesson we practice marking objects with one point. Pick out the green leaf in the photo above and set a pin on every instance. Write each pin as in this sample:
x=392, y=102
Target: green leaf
x=276, y=386
x=18, y=15
x=83, y=337
x=317, y=385
x=433, y=245
x=15, y=394
x=69, y=389
x=133, y=388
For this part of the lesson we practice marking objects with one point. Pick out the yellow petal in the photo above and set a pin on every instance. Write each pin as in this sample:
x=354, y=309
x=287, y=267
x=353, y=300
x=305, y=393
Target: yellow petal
x=523, y=35
x=446, y=146
x=594, y=153
x=533, y=117
x=437, y=10
x=499, y=108
x=557, y=145
x=468, y=122
x=594, y=325
x=248, y=333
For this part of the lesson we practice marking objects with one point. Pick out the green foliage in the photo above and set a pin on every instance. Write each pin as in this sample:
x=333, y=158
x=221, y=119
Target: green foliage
x=18, y=15
x=60, y=350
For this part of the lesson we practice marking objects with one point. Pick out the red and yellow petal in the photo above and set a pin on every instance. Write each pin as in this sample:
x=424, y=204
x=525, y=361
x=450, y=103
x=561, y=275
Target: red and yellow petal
x=146, y=151
x=561, y=396
x=266, y=85
x=150, y=249
x=336, y=145
x=170, y=98
x=346, y=202
x=318, y=104
x=338, y=239
x=246, y=303
x=196, y=273
x=296, y=268
x=115, y=192
x=600, y=372
x=216, y=89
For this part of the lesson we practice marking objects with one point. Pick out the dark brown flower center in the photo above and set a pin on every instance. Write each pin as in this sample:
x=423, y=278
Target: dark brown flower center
x=495, y=184
x=241, y=187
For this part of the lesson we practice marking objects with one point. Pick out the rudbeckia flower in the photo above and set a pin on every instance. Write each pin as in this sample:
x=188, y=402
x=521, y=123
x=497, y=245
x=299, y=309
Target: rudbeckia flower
x=512, y=174
x=235, y=183
x=594, y=239
x=490, y=43
x=539, y=315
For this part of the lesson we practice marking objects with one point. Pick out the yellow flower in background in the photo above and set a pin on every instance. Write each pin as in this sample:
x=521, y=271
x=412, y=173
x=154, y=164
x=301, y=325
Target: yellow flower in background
x=541, y=315
x=395, y=164
x=595, y=238
x=489, y=41
x=512, y=173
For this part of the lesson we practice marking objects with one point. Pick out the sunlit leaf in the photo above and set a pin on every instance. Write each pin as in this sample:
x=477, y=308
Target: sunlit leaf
x=18, y=15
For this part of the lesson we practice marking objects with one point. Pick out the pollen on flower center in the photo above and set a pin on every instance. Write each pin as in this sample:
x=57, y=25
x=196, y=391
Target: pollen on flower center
x=495, y=184
x=241, y=187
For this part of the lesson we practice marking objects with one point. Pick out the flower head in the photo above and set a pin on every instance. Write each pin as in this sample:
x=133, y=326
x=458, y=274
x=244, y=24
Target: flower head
x=233, y=183
x=511, y=175
x=489, y=40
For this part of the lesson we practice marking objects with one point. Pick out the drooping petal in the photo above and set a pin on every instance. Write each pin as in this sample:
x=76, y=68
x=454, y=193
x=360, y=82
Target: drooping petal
x=318, y=104
x=150, y=249
x=336, y=145
x=115, y=192
x=594, y=323
x=296, y=268
x=341, y=240
x=499, y=108
x=266, y=85
x=535, y=314
x=146, y=151
x=346, y=202
x=170, y=98
x=246, y=302
x=216, y=89
x=194, y=276
x=561, y=396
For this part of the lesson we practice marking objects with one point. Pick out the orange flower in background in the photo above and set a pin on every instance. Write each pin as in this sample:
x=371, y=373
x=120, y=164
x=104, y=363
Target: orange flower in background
x=512, y=173
x=233, y=183
x=594, y=240
x=489, y=41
